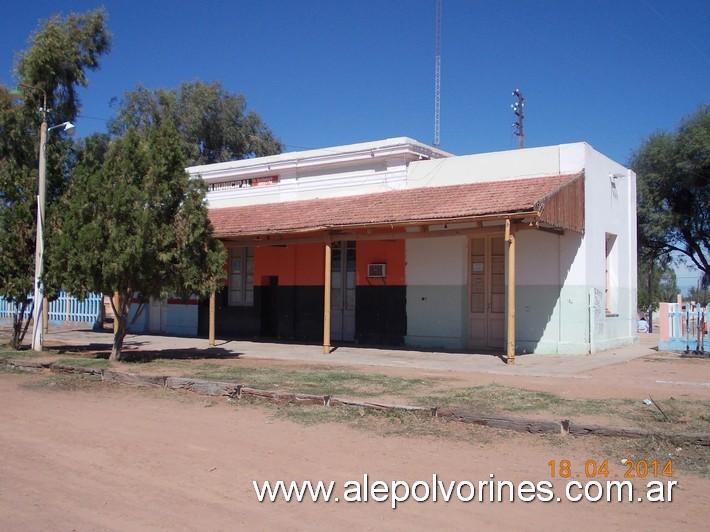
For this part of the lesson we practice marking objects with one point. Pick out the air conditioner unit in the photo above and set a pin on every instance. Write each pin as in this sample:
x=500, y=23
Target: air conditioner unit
x=376, y=270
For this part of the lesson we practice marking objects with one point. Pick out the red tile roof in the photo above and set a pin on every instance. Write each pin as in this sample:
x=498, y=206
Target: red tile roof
x=425, y=205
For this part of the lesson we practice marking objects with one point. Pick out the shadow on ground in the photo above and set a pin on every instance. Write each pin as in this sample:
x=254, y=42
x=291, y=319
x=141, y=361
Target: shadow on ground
x=216, y=353
x=133, y=353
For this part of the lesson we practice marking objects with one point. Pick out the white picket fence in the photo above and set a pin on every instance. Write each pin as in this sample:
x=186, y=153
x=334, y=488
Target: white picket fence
x=65, y=309
x=684, y=327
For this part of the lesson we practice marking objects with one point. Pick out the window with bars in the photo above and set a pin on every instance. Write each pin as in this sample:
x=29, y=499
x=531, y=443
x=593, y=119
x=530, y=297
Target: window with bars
x=241, y=277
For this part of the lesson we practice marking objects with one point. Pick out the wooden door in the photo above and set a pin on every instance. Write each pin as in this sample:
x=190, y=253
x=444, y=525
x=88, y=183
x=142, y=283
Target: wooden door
x=342, y=292
x=486, y=319
x=158, y=315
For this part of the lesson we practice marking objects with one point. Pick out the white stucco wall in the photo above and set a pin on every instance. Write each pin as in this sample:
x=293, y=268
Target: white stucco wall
x=578, y=322
x=339, y=171
x=496, y=166
x=436, y=277
x=552, y=310
x=611, y=209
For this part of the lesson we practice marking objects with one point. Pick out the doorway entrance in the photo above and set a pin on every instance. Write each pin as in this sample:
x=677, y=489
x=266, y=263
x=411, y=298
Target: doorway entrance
x=342, y=291
x=157, y=315
x=270, y=307
x=486, y=318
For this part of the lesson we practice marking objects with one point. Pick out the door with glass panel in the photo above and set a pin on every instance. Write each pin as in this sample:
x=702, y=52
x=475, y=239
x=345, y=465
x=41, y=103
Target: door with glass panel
x=342, y=292
x=486, y=306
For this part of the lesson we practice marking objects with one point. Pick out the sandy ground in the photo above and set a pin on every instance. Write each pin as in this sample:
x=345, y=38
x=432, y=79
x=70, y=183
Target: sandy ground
x=116, y=458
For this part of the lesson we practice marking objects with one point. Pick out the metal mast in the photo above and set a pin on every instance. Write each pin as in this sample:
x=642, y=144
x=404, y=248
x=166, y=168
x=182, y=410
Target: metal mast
x=518, y=111
x=437, y=78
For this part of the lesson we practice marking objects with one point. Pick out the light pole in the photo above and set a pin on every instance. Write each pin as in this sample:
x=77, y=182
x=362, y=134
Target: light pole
x=38, y=314
x=38, y=301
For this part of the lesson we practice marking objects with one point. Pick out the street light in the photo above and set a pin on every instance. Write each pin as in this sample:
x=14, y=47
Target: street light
x=38, y=307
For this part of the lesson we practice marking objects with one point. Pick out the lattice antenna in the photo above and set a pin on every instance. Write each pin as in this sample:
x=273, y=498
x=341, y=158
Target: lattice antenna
x=437, y=78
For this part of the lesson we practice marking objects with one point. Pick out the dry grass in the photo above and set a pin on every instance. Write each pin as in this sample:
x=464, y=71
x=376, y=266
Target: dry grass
x=323, y=381
x=672, y=416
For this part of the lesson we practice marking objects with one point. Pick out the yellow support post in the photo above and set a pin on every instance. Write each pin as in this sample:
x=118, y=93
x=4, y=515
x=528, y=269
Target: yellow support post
x=115, y=313
x=510, y=320
x=212, y=305
x=326, y=299
x=45, y=316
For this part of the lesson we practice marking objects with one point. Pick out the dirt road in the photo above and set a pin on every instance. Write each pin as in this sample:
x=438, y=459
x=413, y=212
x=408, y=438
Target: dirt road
x=115, y=458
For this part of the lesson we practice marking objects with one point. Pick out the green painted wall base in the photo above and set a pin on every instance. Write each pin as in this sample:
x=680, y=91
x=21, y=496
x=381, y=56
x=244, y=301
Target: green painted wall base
x=549, y=319
x=436, y=317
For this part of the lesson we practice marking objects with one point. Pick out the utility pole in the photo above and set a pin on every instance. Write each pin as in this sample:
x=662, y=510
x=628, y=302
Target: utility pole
x=38, y=311
x=39, y=301
x=437, y=78
x=518, y=111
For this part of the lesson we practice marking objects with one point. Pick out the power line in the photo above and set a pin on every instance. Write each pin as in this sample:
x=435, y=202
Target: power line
x=93, y=118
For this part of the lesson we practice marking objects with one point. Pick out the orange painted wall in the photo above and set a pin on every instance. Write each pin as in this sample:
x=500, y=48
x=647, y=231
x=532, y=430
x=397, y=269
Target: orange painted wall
x=274, y=261
x=302, y=264
x=296, y=265
x=310, y=265
x=389, y=252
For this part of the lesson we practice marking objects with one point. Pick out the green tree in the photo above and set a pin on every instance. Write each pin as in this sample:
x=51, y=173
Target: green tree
x=674, y=192
x=17, y=213
x=213, y=123
x=700, y=295
x=664, y=285
x=134, y=223
x=61, y=52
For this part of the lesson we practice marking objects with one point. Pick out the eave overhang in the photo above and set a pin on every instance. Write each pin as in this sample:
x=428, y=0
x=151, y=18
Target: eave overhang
x=553, y=202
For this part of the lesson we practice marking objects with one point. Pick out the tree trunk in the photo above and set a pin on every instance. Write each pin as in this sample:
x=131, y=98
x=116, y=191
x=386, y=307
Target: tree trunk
x=16, y=342
x=119, y=335
x=120, y=313
x=18, y=331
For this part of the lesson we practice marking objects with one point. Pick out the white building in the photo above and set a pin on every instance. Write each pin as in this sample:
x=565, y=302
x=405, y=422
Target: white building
x=528, y=250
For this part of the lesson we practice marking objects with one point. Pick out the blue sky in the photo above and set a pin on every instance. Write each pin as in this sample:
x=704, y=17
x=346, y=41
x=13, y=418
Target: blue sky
x=325, y=73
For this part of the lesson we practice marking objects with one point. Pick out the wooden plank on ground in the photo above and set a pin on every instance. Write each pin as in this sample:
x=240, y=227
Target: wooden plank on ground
x=202, y=387
x=132, y=379
x=509, y=423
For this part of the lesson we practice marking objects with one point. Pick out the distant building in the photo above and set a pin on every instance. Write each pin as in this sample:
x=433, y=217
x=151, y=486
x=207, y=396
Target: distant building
x=421, y=244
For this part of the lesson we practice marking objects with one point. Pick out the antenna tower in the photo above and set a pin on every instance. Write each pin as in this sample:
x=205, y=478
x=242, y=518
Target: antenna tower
x=518, y=111
x=437, y=78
